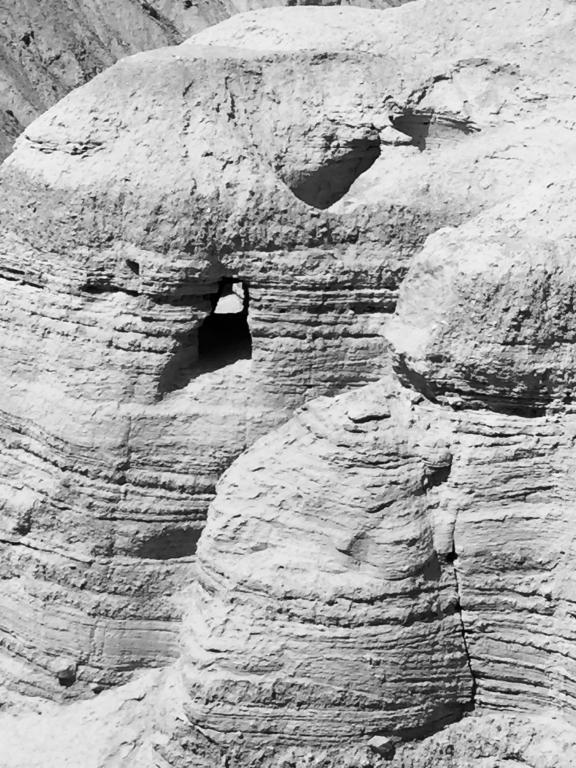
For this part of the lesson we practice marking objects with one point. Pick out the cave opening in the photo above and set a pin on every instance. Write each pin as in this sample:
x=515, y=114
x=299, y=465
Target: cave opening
x=324, y=186
x=224, y=336
x=133, y=266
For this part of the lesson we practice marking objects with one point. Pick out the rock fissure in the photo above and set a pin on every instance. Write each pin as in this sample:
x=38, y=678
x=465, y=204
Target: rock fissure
x=452, y=558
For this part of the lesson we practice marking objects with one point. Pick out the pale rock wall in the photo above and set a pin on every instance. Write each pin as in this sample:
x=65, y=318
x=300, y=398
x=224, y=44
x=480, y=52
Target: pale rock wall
x=123, y=209
x=116, y=433
x=403, y=559
x=511, y=369
x=191, y=16
x=326, y=611
x=425, y=520
x=47, y=49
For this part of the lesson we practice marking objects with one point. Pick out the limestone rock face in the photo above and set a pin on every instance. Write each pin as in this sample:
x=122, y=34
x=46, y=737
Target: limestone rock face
x=397, y=563
x=485, y=318
x=132, y=209
x=327, y=608
x=392, y=532
x=383, y=561
x=124, y=399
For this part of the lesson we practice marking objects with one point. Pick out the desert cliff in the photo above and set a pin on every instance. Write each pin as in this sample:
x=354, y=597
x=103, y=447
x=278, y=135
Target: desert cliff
x=288, y=424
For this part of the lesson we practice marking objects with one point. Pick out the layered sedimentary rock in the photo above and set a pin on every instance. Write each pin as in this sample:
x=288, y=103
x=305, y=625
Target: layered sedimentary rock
x=511, y=370
x=326, y=610
x=385, y=561
x=405, y=556
x=388, y=559
x=119, y=243
x=145, y=199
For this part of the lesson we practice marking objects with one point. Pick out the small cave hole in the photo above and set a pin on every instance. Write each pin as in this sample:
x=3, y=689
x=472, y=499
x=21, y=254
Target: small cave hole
x=420, y=125
x=324, y=186
x=133, y=266
x=169, y=545
x=27, y=38
x=224, y=336
x=437, y=475
x=451, y=557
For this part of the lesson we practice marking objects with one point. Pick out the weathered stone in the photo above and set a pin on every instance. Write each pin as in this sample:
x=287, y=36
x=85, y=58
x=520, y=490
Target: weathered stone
x=50, y=48
x=127, y=210
x=384, y=745
x=379, y=561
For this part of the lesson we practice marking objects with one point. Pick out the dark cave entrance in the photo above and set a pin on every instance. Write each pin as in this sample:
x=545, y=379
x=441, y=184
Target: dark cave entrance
x=224, y=336
x=324, y=186
x=222, y=339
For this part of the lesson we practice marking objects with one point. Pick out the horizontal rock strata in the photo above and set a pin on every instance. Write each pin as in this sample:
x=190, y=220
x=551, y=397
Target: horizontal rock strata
x=401, y=560
x=384, y=561
x=131, y=209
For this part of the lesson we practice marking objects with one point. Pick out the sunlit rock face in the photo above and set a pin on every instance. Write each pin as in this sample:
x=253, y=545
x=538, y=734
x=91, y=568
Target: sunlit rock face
x=131, y=211
x=405, y=559
x=327, y=607
x=197, y=244
x=510, y=365
x=49, y=48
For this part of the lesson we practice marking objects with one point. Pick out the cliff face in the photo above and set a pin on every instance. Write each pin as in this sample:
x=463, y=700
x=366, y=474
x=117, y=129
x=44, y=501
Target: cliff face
x=405, y=558
x=131, y=401
x=133, y=211
x=197, y=244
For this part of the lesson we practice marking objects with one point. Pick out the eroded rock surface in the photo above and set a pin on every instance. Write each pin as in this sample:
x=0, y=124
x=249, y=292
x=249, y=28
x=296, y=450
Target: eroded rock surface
x=49, y=48
x=459, y=511
x=130, y=210
x=388, y=560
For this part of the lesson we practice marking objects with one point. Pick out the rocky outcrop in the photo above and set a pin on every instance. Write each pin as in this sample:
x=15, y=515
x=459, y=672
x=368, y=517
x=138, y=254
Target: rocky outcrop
x=135, y=207
x=191, y=16
x=129, y=404
x=383, y=562
x=48, y=50
x=377, y=568
x=502, y=337
x=513, y=535
x=326, y=611
x=402, y=560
